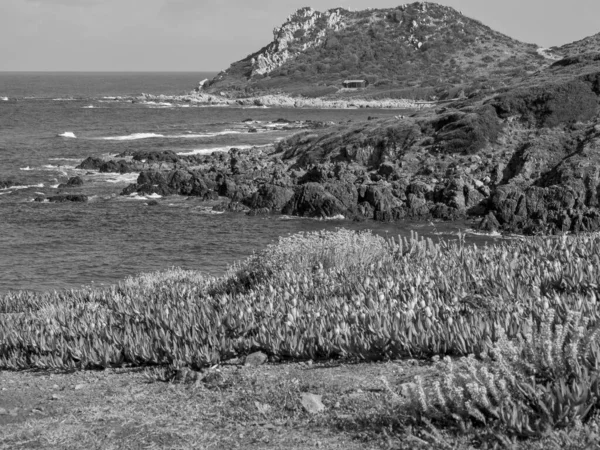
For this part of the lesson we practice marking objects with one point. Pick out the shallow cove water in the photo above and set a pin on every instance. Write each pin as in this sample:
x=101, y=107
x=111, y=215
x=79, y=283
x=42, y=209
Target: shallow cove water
x=51, y=122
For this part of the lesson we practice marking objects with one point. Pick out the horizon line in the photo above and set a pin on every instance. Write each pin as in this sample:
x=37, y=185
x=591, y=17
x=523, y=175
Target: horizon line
x=109, y=71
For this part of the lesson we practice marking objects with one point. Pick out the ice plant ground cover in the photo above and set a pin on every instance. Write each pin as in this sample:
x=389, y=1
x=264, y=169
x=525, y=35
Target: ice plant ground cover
x=513, y=328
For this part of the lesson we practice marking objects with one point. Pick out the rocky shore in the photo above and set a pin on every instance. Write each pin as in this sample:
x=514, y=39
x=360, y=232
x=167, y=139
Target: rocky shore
x=522, y=160
x=283, y=101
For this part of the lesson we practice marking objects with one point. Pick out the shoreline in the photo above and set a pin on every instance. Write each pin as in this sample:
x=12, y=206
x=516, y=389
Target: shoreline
x=285, y=101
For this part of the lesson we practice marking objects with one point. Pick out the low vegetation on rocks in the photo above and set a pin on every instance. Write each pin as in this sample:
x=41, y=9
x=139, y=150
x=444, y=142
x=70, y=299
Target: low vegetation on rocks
x=514, y=327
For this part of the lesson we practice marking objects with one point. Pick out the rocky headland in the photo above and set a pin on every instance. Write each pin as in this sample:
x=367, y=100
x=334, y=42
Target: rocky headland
x=519, y=153
x=526, y=160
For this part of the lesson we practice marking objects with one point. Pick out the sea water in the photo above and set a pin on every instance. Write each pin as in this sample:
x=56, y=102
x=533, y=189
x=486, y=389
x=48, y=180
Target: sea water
x=50, y=122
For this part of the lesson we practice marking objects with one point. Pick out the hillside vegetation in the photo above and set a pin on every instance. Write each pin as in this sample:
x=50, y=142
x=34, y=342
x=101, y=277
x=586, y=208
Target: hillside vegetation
x=418, y=50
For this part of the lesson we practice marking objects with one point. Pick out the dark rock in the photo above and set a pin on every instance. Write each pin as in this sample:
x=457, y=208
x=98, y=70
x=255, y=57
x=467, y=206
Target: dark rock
x=73, y=182
x=313, y=200
x=156, y=156
x=91, y=163
x=112, y=166
x=230, y=207
x=388, y=170
x=380, y=196
x=8, y=183
x=270, y=197
x=489, y=223
x=68, y=198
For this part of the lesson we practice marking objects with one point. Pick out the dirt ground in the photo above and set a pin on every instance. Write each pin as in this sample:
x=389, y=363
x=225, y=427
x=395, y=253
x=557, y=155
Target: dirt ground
x=231, y=406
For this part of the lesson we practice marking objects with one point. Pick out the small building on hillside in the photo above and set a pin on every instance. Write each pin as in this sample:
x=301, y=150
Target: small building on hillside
x=355, y=84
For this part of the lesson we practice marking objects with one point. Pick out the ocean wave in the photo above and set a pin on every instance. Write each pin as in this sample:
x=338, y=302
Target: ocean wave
x=472, y=232
x=202, y=135
x=204, y=210
x=68, y=134
x=167, y=104
x=4, y=99
x=67, y=99
x=26, y=168
x=65, y=159
x=132, y=137
x=208, y=151
x=88, y=107
x=135, y=136
x=125, y=178
x=60, y=167
x=17, y=187
x=136, y=196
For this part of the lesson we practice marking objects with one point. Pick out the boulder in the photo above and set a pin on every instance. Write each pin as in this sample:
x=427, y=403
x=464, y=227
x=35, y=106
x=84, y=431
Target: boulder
x=91, y=163
x=72, y=182
x=271, y=197
x=313, y=200
x=68, y=198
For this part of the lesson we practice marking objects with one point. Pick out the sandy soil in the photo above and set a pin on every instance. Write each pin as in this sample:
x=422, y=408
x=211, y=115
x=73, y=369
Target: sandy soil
x=232, y=406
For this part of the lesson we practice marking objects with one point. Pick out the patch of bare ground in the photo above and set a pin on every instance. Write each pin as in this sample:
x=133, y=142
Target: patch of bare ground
x=231, y=406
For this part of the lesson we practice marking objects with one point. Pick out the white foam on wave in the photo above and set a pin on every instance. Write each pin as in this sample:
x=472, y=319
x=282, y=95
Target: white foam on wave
x=135, y=136
x=64, y=159
x=67, y=99
x=4, y=99
x=492, y=234
x=68, y=134
x=163, y=104
x=88, y=107
x=132, y=137
x=17, y=187
x=117, y=178
x=26, y=168
x=136, y=196
x=59, y=167
x=208, y=151
x=203, y=135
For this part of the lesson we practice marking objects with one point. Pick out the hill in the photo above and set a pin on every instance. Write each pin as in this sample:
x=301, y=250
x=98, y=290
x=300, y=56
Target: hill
x=590, y=44
x=419, y=50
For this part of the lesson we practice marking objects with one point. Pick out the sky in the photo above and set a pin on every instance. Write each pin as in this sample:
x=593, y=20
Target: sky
x=208, y=35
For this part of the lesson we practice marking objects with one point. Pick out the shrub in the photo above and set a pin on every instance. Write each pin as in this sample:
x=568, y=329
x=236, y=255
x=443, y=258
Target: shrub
x=549, y=105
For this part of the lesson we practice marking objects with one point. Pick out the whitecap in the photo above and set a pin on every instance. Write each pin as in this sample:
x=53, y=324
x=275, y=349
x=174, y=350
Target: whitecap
x=64, y=159
x=88, y=107
x=208, y=151
x=68, y=134
x=132, y=137
x=167, y=104
x=26, y=168
x=122, y=178
x=492, y=234
x=4, y=99
x=41, y=185
x=154, y=195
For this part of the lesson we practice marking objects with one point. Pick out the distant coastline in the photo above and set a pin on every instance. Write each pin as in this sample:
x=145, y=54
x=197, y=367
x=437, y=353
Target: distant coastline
x=287, y=101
